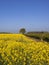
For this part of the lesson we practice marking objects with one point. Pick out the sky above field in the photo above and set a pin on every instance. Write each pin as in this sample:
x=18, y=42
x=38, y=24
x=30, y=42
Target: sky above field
x=33, y=15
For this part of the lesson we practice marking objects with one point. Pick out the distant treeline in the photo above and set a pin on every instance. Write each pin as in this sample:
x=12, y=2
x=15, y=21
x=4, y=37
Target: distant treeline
x=5, y=33
x=39, y=35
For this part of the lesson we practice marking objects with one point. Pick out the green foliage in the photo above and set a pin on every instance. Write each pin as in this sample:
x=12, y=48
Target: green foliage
x=22, y=30
x=39, y=35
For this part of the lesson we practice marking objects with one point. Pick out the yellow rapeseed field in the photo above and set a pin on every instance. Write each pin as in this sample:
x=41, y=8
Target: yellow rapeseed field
x=17, y=49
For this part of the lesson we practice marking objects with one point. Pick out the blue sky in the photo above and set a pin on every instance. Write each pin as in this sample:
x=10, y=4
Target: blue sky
x=30, y=14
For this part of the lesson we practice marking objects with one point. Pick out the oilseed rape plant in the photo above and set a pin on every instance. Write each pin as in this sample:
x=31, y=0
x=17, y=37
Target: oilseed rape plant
x=17, y=49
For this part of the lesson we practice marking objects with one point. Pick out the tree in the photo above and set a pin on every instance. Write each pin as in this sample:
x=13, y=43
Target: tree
x=22, y=30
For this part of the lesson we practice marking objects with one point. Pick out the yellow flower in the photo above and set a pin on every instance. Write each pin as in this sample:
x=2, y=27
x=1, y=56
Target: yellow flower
x=19, y=49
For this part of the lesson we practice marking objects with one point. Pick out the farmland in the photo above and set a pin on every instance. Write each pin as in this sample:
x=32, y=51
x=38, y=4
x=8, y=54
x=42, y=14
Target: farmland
x=17, y=49
x=39, y=35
